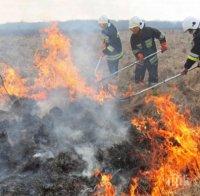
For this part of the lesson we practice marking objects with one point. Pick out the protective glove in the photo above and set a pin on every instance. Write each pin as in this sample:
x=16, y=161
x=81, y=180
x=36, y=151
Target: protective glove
x=164, y=47
x=140, y=56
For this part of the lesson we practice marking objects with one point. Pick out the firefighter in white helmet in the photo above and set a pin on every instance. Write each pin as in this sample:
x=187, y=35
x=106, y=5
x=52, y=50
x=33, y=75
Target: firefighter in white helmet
x=192, y=25
x=112, y=46
x=143, y=44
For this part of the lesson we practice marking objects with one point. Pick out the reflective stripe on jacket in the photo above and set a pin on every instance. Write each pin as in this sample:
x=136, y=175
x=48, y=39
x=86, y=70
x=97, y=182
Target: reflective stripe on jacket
x=194, y=55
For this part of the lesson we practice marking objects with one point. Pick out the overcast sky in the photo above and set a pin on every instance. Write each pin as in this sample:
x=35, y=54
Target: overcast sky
x=48, y=10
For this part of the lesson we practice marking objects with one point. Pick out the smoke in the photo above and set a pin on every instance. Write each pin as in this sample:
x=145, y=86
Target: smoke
x=43, y=129
x=86, y=126
x=98, y=126
x=87, y=49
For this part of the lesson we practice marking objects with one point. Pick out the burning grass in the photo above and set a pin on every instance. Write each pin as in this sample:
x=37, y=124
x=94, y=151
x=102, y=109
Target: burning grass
x=160, y=155
x=175, y=160
x=56, y=70
x=165, y=149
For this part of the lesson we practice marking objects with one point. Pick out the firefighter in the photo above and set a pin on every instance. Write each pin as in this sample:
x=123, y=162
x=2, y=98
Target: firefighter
x=192, y=25
x=112, y=46
x=143, y=44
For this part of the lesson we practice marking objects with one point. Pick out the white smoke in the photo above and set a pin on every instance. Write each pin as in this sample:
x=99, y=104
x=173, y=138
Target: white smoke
x=86, y=126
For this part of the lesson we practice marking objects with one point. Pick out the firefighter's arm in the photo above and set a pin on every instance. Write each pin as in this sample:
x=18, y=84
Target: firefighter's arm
x=193, y=56
x=158, y=35
x=111, y=33
x=136, y=51
x=161, y=37
x=134, y=47
x=105, y=44
x=107, y=48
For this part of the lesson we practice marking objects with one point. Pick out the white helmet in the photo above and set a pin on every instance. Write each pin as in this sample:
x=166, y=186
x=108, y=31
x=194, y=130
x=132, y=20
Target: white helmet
x=103, y=20
x=190, y=23
x=136, y=22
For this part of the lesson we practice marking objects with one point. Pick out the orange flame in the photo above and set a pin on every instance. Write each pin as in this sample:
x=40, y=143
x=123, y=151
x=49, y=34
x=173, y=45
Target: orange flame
x=105, y=187
x=133, y=187
x=56, y=68
x=175, y=161
x=12, y=83
x=128, y=92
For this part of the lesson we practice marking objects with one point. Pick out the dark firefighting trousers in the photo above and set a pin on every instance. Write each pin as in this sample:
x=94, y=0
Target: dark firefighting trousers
x=113, y=65
x=152, y=70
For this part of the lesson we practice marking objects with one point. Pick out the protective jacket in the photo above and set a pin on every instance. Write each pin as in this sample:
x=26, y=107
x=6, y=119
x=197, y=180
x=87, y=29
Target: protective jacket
x=112, y=41
x=194, y=55
x=144, y=42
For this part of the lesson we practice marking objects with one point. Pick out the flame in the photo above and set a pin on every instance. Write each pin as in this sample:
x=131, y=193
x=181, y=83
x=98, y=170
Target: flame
x=56, y=68
x=12, y=83
x=105, y=187
x=128, y=92
x=175, y=162
x=133, y=187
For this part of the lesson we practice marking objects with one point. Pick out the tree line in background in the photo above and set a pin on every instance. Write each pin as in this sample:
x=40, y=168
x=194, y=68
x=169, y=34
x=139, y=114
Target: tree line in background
x=76, y=25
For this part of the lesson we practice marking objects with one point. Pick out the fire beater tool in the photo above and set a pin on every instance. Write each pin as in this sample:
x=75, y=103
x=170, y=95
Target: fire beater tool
x=156, y=85
x=98, y=64
x=124, y=68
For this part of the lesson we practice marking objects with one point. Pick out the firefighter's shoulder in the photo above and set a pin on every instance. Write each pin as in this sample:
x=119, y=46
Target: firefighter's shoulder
x=112, y=27
x=148, y=29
